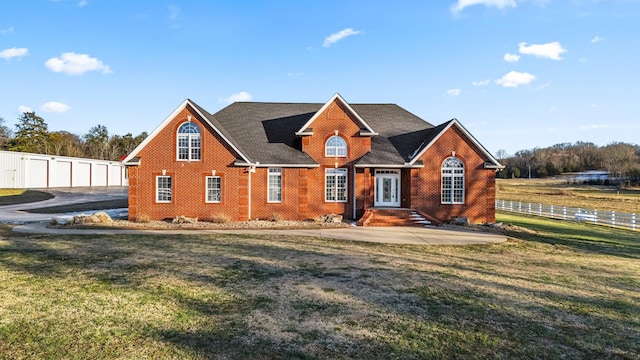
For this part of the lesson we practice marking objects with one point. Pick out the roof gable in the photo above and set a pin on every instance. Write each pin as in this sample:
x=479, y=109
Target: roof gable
x=440, y=130
x=208, y=118
x=368, y=130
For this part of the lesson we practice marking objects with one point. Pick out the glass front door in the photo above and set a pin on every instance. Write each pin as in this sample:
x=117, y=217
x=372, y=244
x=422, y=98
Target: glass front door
x=387, y=191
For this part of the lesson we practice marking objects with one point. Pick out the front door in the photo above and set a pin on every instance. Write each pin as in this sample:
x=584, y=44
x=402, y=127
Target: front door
x=387, y=191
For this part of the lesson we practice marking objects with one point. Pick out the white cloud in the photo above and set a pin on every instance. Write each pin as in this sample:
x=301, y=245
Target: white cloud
x=24, y=109
x=76, y=64
x=481, y=82
x=596, y=39
x=511, y=57
x=13, y=52
x=500, y=4
x=55, y=107
x=551, y=50
x=515, y=79
x=453, y=92
x=593, y=127
x=7, y=30
x=83, y=3
x=582, y=59
x=241, y=96
x=335, y=37
x=174, y=12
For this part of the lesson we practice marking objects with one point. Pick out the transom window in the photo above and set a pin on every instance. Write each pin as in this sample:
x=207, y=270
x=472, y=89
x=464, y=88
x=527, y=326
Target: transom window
x=335, y=185
x=275, y=185
x=336, y=146
x=164, y=192
x=189, y=142
x=452, y=181
x=214, y=189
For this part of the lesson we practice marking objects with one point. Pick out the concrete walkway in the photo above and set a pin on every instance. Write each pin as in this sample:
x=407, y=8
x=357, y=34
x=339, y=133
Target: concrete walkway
x=386, y=235
x=37, y=224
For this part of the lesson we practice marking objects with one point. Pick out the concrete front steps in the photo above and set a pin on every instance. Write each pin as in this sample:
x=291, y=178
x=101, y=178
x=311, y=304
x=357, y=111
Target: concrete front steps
x=394, y=217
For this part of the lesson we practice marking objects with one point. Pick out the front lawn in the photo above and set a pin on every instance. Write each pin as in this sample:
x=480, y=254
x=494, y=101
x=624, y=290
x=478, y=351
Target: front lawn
x=239, y=297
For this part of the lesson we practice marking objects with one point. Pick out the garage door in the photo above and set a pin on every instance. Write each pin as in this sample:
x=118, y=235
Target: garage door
x=99, y=175
x=63, y=174
x=37, y=173
x=115, y=177
x=82, y=175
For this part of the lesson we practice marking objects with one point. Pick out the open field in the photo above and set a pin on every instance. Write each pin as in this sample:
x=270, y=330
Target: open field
x=558, y=192
x=566, y=290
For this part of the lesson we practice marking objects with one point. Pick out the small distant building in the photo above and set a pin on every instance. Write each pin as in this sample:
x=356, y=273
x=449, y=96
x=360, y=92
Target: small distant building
x=593, y=175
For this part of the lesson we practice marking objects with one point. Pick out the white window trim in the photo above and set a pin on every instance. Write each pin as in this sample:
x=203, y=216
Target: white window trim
x=335, y=148
x=189, y=137
x=170, y=189
x=452, y=176
x=206, y=185
x=336, y=173
x=273, y=172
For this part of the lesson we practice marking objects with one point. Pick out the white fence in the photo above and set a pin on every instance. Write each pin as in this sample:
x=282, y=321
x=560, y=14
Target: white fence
x=598, y=217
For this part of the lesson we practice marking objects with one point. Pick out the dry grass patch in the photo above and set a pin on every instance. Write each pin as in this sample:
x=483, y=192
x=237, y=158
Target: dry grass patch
x=224, y=296
x=558, y=192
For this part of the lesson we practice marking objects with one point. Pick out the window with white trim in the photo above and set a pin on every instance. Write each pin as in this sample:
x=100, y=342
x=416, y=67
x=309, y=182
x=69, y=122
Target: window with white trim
x=164, y=193
x=274, y=182
x=189, y=142
x=214, y=189
x=452, y=181
x=335, y=185
x=336, y=146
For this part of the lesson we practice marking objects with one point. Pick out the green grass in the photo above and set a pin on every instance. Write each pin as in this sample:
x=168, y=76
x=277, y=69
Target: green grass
x=21, y=196
x=563, y=291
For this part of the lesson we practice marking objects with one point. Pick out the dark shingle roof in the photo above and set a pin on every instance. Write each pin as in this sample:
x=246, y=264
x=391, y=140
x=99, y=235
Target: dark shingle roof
x=265, y=132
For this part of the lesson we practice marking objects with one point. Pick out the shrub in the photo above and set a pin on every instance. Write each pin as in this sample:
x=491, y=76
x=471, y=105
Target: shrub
x=219, y=218
x=143, y=218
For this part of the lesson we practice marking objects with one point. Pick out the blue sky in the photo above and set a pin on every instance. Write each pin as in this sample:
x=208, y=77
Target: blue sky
x=517, y=74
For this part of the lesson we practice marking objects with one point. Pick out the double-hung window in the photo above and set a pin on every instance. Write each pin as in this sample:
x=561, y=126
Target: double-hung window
x=452, y=181
x=164, y=193
x=335, y=185
x=189, y=142
x=275, y=185
x=214, y=189
x=336, y=146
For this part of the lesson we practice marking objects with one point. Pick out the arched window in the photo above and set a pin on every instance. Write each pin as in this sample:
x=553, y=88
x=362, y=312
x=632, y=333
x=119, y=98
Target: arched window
x=336, y=146
x=189, y=142
x=452, y=181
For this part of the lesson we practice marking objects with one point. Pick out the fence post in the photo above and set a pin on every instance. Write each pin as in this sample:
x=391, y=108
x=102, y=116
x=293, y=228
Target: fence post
x=519, y=206
x=552, y=211
x=613, y=219
x=633, y=221
x=564, y=213
x=529, y=208
x=595, y=216
x=511, y=206
x=540, y=209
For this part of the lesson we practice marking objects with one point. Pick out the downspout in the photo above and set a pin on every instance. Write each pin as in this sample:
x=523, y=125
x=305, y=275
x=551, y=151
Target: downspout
x=251, y=170
x=354, y=193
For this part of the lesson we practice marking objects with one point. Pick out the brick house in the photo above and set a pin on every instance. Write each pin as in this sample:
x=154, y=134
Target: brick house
x=298, y=161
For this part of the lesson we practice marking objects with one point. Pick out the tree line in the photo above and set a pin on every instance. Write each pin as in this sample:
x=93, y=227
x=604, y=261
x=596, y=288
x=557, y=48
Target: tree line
x=621, y=160
x=32, y=135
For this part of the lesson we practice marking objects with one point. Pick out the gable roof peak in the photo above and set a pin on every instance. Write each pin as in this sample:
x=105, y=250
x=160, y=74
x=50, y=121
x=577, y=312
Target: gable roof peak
x=337, y=97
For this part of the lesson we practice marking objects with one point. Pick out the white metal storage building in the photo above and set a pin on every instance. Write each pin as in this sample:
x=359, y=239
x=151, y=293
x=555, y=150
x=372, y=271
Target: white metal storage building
x=25, y=170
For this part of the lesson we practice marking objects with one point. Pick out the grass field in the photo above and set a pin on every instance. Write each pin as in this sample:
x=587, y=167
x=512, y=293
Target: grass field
x=559, y=192
x=565, y=290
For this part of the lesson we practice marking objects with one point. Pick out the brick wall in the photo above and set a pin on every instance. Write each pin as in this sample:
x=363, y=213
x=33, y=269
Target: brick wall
x=188, y=177
x=479, y=201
